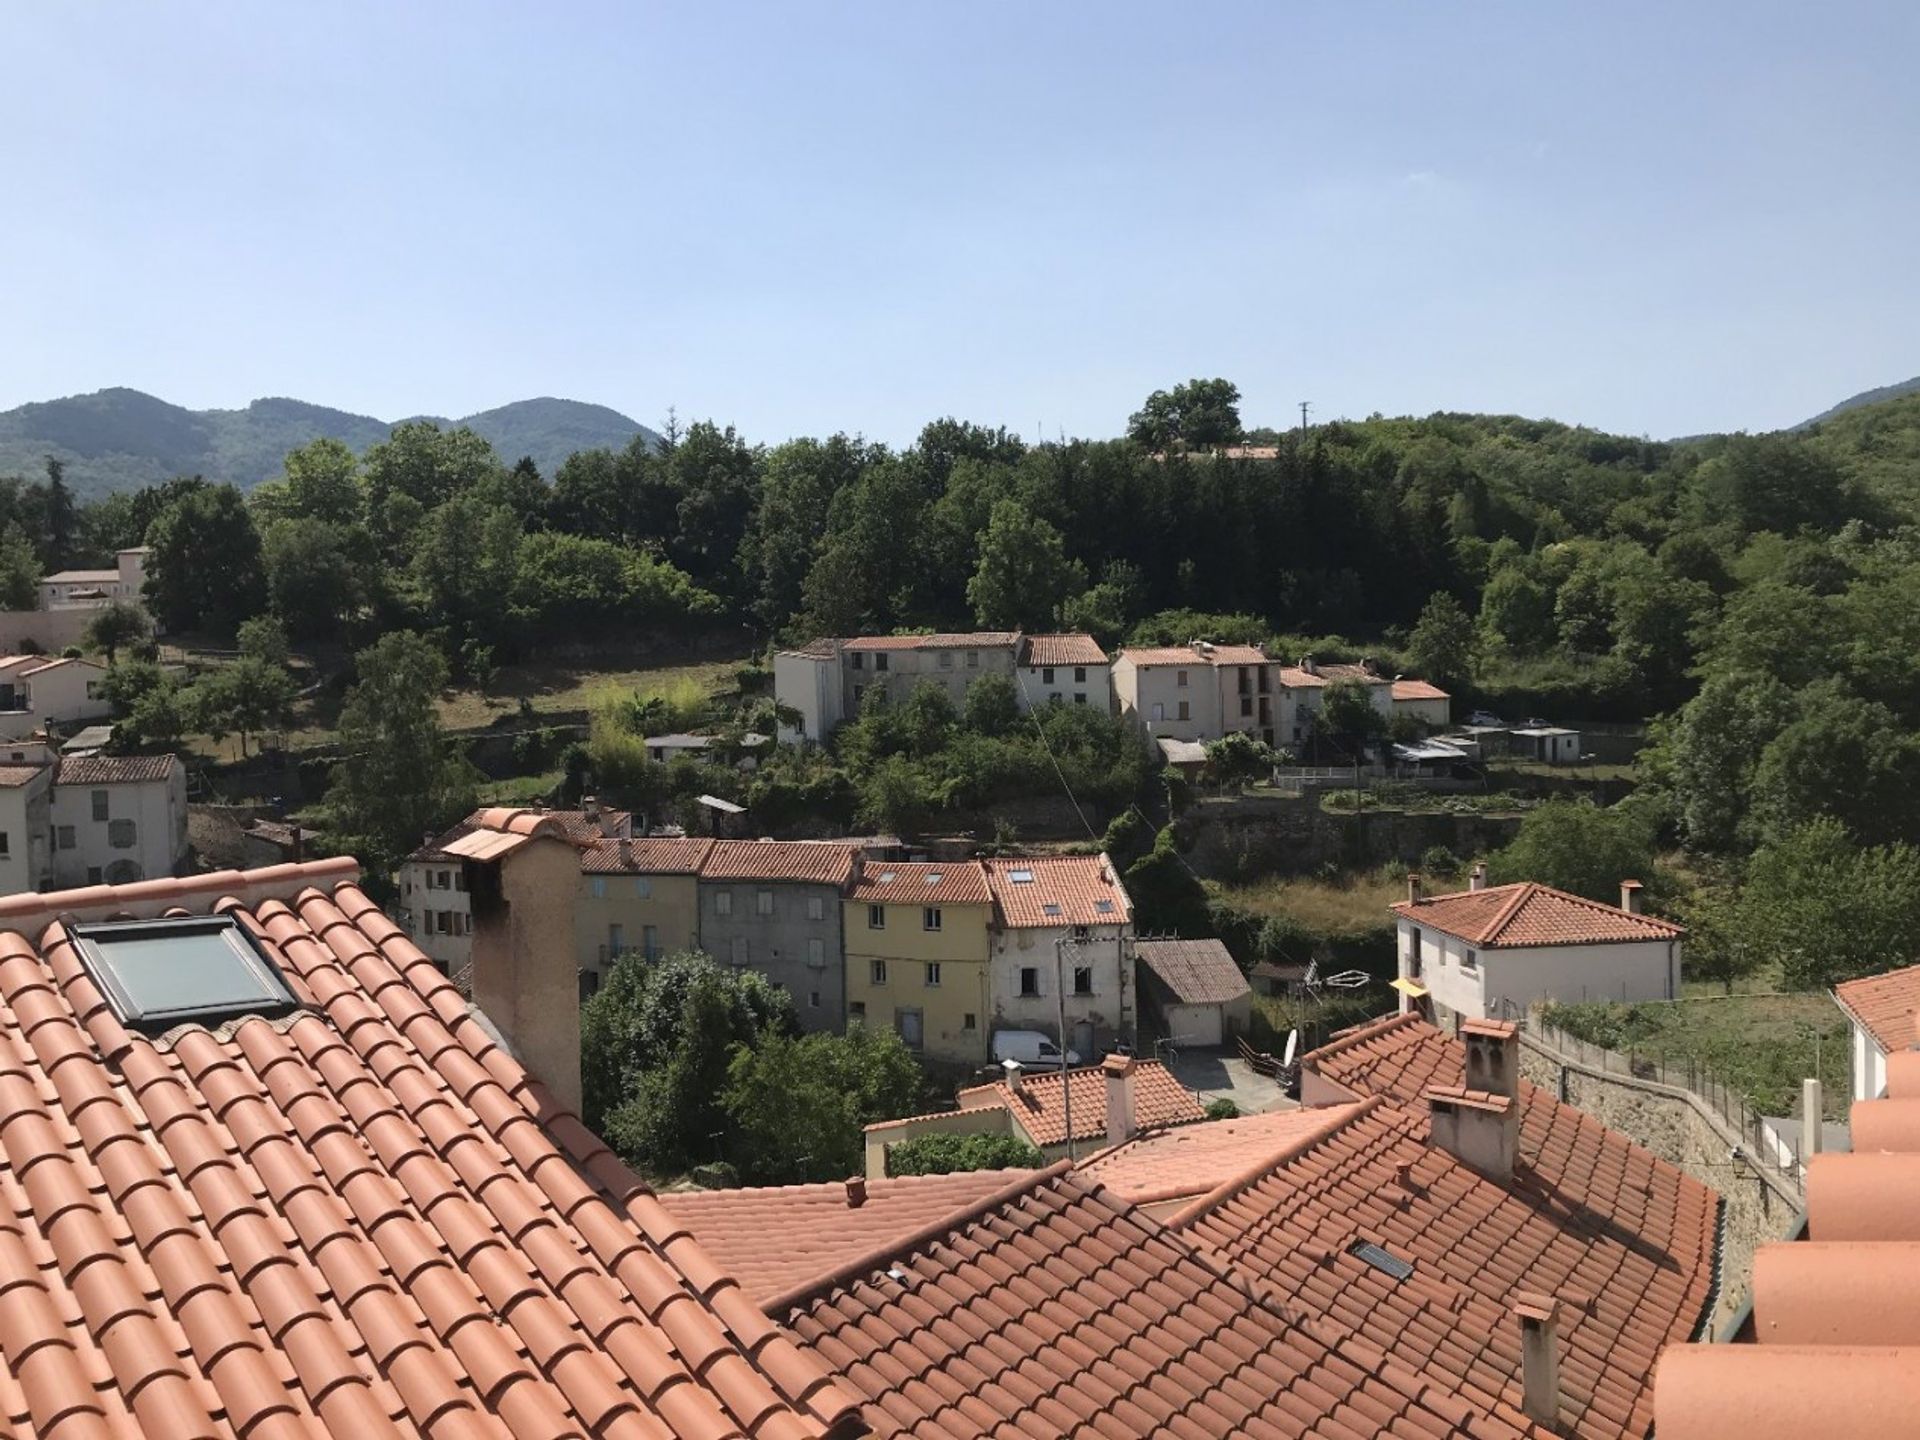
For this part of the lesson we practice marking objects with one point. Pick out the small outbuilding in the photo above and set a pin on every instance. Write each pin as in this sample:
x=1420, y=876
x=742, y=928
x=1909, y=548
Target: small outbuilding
x=1547, y=744
x=1196, y=989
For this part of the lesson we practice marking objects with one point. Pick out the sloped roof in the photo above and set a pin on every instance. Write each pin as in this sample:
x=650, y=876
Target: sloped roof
x=656, y=856
x=966, y=640
x=1040, y=1104
x=913, y=882
x=810, y=862
x=1074, y=886
x=1529, y=914
x=114, y=769
x=1885, y=1006
x=1629, y=1282
x=1188, y=655
x=575, y=825
x=1062, y=1311
x=14, y=776
x=60, y=662
x=1197, y=972
x=1193, y=1160
x=776, y=1238
x=1064, y=650
x=363, y=1219
x=1418, y=690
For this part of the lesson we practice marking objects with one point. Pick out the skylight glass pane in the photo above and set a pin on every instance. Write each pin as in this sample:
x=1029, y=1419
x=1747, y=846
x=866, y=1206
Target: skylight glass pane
x=167, y=972
x=933, y=877
x=1105, y=907
x=1383, y=1260
x=1050, y=909
x=1020, y=877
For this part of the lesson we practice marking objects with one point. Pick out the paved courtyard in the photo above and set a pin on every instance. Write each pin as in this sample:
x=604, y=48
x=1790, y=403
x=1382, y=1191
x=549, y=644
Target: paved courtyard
x=1212, y=1074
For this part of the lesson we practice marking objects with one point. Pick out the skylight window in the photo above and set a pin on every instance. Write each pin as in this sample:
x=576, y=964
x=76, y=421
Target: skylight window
x=1381, y=1259
x=886, y=877
x=1105, y=907
x=203, y=969
x=933, y=877
x=1020, y=877
x=1049, y=909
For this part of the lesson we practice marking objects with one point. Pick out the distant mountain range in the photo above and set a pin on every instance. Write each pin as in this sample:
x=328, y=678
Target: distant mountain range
x=120, y=439
x=1865, y=397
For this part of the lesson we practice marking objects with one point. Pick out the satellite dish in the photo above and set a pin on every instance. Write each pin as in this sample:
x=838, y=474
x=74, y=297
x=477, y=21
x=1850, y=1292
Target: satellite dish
x=1293, y=1047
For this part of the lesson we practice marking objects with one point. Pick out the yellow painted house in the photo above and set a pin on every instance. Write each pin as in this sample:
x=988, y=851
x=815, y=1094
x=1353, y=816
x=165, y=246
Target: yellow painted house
x=636, y=895
x=918, y=952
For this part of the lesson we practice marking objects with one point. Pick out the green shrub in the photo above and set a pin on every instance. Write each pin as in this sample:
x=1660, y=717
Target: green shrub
x=944, y=1154
x=1222, y=1109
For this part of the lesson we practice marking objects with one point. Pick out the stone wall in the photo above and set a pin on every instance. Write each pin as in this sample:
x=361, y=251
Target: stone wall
x=1244, y=836
x=1757, y=1205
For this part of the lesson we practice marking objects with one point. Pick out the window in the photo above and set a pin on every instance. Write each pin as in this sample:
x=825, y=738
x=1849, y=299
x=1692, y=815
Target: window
x=642, y=887
x=598, y=885
x=856, y=660
x=1029, y=981
x=969, y=1022
x=159, y=973
x=973, y=659
x=946, y=660
x=121, y=834
x=99, y=804
x=930, y=918
x=856, y=1010
x=1469, y=960
x=1381, y=1259
x=1079, y=674
x=763, y=902
x=880, y=661
x=1159, y=711
x=1079, y=697
x=1083, y=980
x=650, y=941
x=1180, y=679
x=1083, y=932
x=1185, y=712
x=445, y=881
x=616, y=939
x=93, y=689
x=589, y=984
x=1048, y=908
x=1020, y=877
x=63, y=837
x=877, y=971
x=94, y=876
x=813, y=999
x=876, y=917
x=1046, y=675
x=817, y=953
x=816, y=908
x=723, y=902
x=1246, y=705
x=460, y=879
x=933, y=974
x=741, y=954
x=1413, y=954
x=6, y=844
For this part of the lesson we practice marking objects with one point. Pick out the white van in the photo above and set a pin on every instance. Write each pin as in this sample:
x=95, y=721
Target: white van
x=1030, y=1047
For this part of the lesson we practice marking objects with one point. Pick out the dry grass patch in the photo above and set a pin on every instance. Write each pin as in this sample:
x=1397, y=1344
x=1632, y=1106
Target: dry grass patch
x=1351, y=905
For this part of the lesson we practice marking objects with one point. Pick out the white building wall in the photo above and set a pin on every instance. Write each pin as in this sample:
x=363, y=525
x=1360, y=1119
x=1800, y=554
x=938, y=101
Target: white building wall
x=158, y=810
x=439, y=912
x=1481, y=983
x=1089, y=685
x=1153, y=695
x=24, y=816
x=66, y=694
x=809, y=685
x=1109, y=1010
x=1869, y=1066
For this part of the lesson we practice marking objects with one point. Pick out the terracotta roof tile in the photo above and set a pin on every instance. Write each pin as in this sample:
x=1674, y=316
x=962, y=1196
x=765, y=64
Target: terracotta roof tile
x=114, y=769
x=810, y=862
x=1885, y=1006
x=662, y=856
x=1197, y=972
x=361, y=1219
x=904, y=882
x=967, y=640
x=1418, y=690
x=1064, y=650
x=1188, y=655
x=1194, y=1160
x=1063, y=1311
x=14, y=776
x=577, y=825
x=1530, y=914
x=1040, y=1103
x=778, y=1237
x=1059, y=890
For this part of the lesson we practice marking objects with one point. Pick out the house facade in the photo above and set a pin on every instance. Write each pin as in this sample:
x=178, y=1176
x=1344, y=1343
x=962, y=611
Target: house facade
x=1492, y=952
x=775, y=907
x=1064, y=670
x=93, y=589
x=1063, y=936
x=26, y=819
x=1881, y=1014
x=117, y=819
x=918, y=954
x=636, y=897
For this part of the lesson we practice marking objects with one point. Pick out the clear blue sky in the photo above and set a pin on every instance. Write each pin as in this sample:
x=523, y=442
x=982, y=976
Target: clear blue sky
x=1653, y=218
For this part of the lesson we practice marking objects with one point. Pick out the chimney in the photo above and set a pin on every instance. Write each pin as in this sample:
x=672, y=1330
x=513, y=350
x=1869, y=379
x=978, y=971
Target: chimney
x=856, y=1192
x=298, y=847
x=1119, y=1072
x=1493, y=1056
x=1479, y=1130
x=1306, y=664
x=526, y=977
x=1413, y=889
x=1012, y=1070
x=1539, y=1317
x=1812, y=1112
x=1630, y=896
x=1478, y=879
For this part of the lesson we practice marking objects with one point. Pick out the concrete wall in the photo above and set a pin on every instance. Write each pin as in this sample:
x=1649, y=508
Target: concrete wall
x=1869, y=1066
x=64, y=694
x=51, y=630
x=1090, y=685
x=1108, y=1013
x=795, y=943
x=809, y=685
x=1757, y=1205
x=1433, y=713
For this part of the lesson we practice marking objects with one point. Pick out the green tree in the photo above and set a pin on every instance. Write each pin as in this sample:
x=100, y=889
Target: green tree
x=1844, y=757
x=1023, y=575
x=244, y=698
x=1103, y=610
x=1239, y=758
x=264, y=638
x=323, y=483
x=1443, y=642
x=467, y=560
x=1198, y=414
x=206, y=572
x=19, y=571
x=797, y=1106
x=992, y=705
x=1830, y=909
x=115, y=627
x=316, y=576
x=1347, y=713
x=798, y=481
x=60, y=516
x=938, y=1154
x=1713, y=749
x=150, y=706
x=397, y=781
x=1578, y=847
x=1167, y=898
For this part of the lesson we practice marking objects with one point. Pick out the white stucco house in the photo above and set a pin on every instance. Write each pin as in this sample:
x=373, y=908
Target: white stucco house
x=92, y=589
x=26, y=788
x=1884, y=1013
x=1485, y=952
x=1062, y=933
x=118, y=818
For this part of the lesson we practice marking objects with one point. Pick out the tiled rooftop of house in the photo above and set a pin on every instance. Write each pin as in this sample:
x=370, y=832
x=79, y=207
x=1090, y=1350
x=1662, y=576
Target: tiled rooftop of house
x=665, y=856
x=1418, y=690
x=777, y=1238
x=358, y=1218
x=1055, y=890
x=977, y=639
x=1040, y=1104
x=14, y=776
x=1630, y=1276
x=1885, y=1005
x=800, y=861
x=1196, y=972
x=1189, y=1161
x=1064, y=650
x=1191, y=655
x=905, y=882
x=578, y=825
x=1530, y=914
x=114, y=769
x=1062, y=1311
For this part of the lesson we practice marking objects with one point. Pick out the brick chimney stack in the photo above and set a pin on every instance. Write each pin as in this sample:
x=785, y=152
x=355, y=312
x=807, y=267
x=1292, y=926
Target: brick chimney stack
x=1630, y=891
x=1493, y=1056
x=1119, y=1072
x=1539, y=1317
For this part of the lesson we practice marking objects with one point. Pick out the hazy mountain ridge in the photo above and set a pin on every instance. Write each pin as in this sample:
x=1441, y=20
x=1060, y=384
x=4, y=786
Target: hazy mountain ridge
x=1864, y=398
x=118, y=439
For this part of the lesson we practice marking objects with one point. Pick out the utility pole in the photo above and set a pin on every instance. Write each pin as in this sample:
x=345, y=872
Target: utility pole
x=1304, y=404
x=1060, y=995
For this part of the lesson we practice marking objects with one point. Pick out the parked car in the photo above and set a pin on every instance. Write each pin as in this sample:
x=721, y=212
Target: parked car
x=1534, y=722
x=1484, y=717
x=1030, y=1047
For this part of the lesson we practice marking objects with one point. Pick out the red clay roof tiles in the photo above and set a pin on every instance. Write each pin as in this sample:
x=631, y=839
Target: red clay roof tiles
x=811, y=862
x=1194, y=1160
x=901, y=882
x=1064, y=650
x=1530, y=914
x=1074, y=886
x=1039, y=1106
x=1418, y=690
x=363, y=1219
x=1885, y=1006
x=668, y=856
x=115, y=769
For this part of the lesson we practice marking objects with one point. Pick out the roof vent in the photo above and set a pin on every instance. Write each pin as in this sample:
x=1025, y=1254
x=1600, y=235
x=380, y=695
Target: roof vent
x=856, y=1192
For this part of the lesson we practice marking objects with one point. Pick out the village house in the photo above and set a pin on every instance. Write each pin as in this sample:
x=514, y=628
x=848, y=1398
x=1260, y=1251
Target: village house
x=26, y=825
x=821, y=685
x=117, y=819
x=636, y=897
x=95, y=589
x=1063, y=936
x=1880, y=1011
x=37, y=692
x=919, y=954
x=1492, y=952
x=1192, y=990
x=774, y=906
